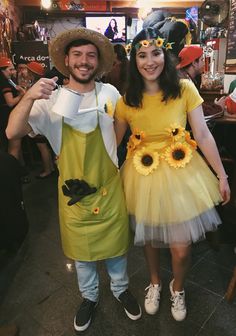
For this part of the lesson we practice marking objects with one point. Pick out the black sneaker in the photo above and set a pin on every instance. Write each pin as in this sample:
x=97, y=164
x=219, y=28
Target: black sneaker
x=130, y=305
x=84, y=315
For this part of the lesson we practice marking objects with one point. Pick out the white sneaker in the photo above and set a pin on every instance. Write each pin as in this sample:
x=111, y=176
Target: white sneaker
x=178, y=308
x=152, y=299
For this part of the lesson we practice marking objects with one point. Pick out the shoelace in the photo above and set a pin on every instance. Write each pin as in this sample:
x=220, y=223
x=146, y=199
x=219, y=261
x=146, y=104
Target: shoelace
x=153, y=293
x=178, y=301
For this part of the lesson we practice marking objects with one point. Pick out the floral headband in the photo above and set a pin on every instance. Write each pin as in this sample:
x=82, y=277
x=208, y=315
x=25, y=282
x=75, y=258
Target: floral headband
x=159, y=42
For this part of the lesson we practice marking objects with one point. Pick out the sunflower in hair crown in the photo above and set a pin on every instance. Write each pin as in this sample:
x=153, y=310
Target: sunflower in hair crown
x=159, y=42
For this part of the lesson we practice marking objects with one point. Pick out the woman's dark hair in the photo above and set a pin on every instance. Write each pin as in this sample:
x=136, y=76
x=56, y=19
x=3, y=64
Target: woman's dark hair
x=120, y=52
x=115, y=28
x=122, y=57
x=168, y=80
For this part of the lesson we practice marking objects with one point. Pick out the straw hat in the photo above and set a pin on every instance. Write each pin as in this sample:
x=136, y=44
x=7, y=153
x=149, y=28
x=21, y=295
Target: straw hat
x=36, y=68
x=5, y=62
x=58, y=45
x=188, y=55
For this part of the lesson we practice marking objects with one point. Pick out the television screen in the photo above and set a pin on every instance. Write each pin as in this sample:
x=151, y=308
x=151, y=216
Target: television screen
x=112, y=26
x=192, y=14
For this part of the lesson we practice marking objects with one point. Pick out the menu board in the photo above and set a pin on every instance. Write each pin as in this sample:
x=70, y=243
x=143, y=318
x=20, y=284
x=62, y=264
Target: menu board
x=230, y=64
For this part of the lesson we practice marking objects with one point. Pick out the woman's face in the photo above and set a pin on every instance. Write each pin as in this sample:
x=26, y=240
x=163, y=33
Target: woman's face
x=22, y=70
x=9, y=71
x=150, y=62
x=113, y=23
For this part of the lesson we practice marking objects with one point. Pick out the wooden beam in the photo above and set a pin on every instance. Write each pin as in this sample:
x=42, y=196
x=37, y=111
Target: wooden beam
x=129, y=3
x=36, y=3
x=155, y=4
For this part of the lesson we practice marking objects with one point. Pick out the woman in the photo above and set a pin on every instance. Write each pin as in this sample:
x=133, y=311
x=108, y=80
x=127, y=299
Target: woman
x=23, y=77
x=112, y=30
x=170, y=191
x=9, y=97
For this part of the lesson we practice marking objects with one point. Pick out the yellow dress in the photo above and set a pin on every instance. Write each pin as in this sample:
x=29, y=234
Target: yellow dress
x=170, y=191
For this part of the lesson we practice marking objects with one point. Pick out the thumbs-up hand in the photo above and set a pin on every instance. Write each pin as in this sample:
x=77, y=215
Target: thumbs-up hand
x=42, y=89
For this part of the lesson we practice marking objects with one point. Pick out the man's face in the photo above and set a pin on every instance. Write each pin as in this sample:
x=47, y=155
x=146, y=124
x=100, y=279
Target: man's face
x=199, y=68
x=82, y=62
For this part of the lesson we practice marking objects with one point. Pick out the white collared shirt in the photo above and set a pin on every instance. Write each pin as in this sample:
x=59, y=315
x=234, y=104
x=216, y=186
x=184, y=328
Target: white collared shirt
x=48, y=123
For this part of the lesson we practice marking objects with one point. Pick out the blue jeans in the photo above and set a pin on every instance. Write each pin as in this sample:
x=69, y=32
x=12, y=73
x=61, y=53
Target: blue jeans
x=88, y=278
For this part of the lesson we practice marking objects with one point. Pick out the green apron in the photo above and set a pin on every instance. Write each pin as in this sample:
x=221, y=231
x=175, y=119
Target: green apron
x=97, y=227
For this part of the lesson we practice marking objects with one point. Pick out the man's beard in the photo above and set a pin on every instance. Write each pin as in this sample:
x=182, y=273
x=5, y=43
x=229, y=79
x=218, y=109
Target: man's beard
x=81, y=80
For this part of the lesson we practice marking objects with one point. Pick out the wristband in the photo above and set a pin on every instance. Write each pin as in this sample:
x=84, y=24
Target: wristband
x=222, y=177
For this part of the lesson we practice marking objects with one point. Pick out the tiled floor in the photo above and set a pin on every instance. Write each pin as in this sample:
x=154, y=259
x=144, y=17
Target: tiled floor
x=39, y=291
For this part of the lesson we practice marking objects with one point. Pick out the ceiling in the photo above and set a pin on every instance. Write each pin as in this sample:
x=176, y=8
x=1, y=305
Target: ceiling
x=31, y=8
x=127, y=3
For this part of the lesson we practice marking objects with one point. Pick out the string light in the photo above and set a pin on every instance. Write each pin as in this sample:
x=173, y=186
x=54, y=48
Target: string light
x=46, y=3
x=144, y=9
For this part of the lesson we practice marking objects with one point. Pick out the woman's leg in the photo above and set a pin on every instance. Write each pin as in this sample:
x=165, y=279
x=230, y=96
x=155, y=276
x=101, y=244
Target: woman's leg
x=152, y=255
x=180, y=264
x=152, y=297
x=181, y=258
x=46, y=159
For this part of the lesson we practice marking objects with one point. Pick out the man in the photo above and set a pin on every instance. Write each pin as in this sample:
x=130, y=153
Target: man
x=191, y=62
x=191, y=66
x=93, y=218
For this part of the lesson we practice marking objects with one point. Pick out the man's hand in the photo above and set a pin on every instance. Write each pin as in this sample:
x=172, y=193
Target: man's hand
x=220, y=102
x=42, y=89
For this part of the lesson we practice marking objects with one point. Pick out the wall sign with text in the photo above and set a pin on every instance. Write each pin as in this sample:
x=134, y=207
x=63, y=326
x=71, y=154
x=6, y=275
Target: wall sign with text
x=31, y=51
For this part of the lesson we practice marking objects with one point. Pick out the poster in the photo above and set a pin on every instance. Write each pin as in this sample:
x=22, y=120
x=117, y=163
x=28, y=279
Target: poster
x=31, y=51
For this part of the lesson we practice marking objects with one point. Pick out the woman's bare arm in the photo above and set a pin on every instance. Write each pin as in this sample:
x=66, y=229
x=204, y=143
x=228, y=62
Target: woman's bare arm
x=208, y=147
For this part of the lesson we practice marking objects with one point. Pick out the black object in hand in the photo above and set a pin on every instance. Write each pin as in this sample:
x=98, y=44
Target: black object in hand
x=77, y=189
